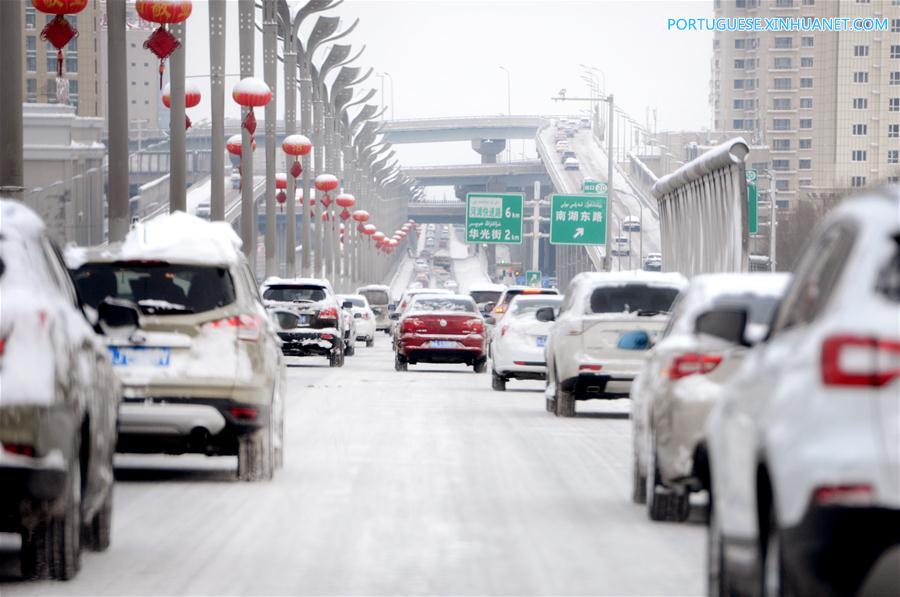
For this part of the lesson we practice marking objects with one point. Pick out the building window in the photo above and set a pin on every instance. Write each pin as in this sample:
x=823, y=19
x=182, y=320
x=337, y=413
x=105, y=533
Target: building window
x=806, y=82
x=806, y=61
x=805, y=143
x=781, y=124
x=806, y=123
x=858, y=155
x=739, y=124
x=71, y=63
x=31, y=90
x=804, y=164
x=738, y=83
x=781, y=62
x=784, y=3
x=781, y=144
x=30, y=17
x=806, y=103
x=740, y=64
x=863, y=1
x=860, y=51
x=895, y=52
x=781, y=103
x=860, y=129
x=782, y=185
x=738, y=104
x=781, y=164
x=781, y=83
x=895, y=25
x=784, y=42
x=860, y=103
x=804, y=182
x=745, y=43
x=894, y=131
x=894, y=104
x=807, y=41
x=51, y=91
x=861, y=76
x=809, y=2
x=895, y=77
x=857, y=181
x=893, y=156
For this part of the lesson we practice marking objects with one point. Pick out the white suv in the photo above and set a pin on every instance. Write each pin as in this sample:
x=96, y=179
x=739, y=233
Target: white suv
x=804, y=445
x=602, y=334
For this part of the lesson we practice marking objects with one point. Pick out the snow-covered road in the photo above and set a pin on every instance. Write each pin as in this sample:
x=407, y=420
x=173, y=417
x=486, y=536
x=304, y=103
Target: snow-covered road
x=421, y=482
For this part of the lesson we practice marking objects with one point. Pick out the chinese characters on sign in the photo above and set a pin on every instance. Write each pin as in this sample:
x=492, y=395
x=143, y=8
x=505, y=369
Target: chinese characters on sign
x=578, y=219
x=494, y=218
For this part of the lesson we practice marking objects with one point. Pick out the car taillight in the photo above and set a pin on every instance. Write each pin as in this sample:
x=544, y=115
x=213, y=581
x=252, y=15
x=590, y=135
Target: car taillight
x=248, y=326
x=328, y=313
x=590, y=367
x=409, y=326
x=365, y=316
x=693, y=363
x=20, y=449
x=2, y=345
x=473, y=326
x=857, y=361
x=243, y=413
x=500, y=309
x=843, y=495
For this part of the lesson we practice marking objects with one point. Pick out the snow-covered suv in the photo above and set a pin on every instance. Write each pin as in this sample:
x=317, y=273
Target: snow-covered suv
x=317, y=326
x=57, y=408
x=804, y=444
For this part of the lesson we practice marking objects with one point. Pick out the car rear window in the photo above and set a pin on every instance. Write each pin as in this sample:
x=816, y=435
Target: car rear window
x=888, y=282
x=525, y=308
x=355, y=301
x=295, y=294
x=157, y=288
x=761, y=308
x=376, y=297
x=485, y=296
x=632, y=298
x=426, y=304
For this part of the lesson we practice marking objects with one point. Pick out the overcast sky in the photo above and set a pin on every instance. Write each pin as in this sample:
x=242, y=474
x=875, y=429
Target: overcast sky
x=444, y=58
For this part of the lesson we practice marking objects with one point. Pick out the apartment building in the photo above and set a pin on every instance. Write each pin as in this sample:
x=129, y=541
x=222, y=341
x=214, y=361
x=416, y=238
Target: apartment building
x=827, y=104
x=81, y=60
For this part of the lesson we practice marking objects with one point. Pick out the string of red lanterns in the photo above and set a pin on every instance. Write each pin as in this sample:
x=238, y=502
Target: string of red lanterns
x=165, y=12
x=191, y=98
x=58, y=32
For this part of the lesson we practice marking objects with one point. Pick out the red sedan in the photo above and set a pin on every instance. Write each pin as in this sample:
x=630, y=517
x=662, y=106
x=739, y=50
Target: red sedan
x=440, y=328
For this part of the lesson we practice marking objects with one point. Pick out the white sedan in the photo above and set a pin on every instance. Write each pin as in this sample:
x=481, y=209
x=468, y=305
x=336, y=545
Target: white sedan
x=519, y=338
x=363, y=317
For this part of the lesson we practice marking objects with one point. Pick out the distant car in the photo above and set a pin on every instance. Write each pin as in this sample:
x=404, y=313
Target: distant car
x=566, y=155
x=318, y=327
x=562, y=145
x=404, y=302
x=203, y=210
x=653, y=262
x=680, y=381
x=631, y=224
x=440, y=328
x=571, y=164
x=621, y=246
x=517, y=346
x=363, y=317
x=486, y=295
x=511, y=292
x=602, y=333
x=379, y=298
x=584, y=123
x=804, y=441
x=451, y=285
x=200, y=367
x=58, y=408
x=349, y=326
x=429, y=242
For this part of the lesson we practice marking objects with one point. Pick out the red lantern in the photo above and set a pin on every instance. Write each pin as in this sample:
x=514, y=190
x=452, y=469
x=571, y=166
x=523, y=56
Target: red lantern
x=369, y=229
x=59, y=32
x=326, y=201
x=165, y=12
x=361, y=228
x=326, y=182
x=251, y=93
x=345, y=214
x=378, y=236
x=192, y=95
x=233, y=145
x=360, y=215
x=281, y=197
x=296, y=145
x=345, y=200
x=281, y=181
x=325, y=216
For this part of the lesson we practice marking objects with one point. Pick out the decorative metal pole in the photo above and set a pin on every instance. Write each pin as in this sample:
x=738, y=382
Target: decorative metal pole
x=217, y=108
x=177, y=145
x=290, y=127
x=117, y=195
x=246, y=31
x=270, y=75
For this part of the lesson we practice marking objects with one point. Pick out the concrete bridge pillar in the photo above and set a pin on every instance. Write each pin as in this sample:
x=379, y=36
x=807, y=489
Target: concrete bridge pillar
x=488, y=148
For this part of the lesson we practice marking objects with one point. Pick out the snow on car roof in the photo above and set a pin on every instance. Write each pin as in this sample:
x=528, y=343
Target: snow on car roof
x=175, y=237
x=276, y=281
x=594, y=279
x=18, y=220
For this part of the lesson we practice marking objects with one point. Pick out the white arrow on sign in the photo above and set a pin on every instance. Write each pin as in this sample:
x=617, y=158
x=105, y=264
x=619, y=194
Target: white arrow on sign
x=578, y=232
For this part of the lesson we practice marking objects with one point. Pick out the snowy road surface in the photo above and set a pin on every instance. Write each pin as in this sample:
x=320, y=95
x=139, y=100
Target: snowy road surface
x=395, y=483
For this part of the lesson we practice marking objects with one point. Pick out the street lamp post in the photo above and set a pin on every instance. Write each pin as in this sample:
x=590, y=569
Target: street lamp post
x=508, y=108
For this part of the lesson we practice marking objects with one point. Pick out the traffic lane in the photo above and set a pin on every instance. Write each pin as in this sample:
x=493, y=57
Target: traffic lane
x=424, y=481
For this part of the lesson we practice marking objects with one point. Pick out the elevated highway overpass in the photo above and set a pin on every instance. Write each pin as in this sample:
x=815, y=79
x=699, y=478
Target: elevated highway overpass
x=513, y=174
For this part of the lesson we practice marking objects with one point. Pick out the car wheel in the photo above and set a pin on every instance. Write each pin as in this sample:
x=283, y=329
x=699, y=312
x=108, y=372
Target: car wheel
x=255, y=455
x=480, y=365
x=663, y=503
x=565, y=402
x=370, y=342
x=52, y=548
x=498, y=382
x=350, y=350
x=638, y=482
x=400, y=363
x=97, y=534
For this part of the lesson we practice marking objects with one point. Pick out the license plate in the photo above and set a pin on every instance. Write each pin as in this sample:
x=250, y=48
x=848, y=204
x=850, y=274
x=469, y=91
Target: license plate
x=303, y=321
x=443, y=344
x=140, y=356
x=541, y=341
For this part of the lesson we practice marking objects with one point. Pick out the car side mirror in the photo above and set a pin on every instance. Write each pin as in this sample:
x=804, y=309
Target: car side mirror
x=488, y=307
x=285, y=320
x=347, y=305
x=395, y=316
x=490, y=320
x=727, y=323
x=545, y=314
x=117, y=316
x=392, y=306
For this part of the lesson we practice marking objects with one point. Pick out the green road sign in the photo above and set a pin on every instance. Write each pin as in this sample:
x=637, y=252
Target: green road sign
x=533, y=279
x=753, y=217
x=578, y=219
x=594, y=186
x=494, y=218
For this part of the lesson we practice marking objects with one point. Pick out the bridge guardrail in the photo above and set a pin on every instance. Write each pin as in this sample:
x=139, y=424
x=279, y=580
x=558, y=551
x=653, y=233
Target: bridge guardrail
x=703, y=213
